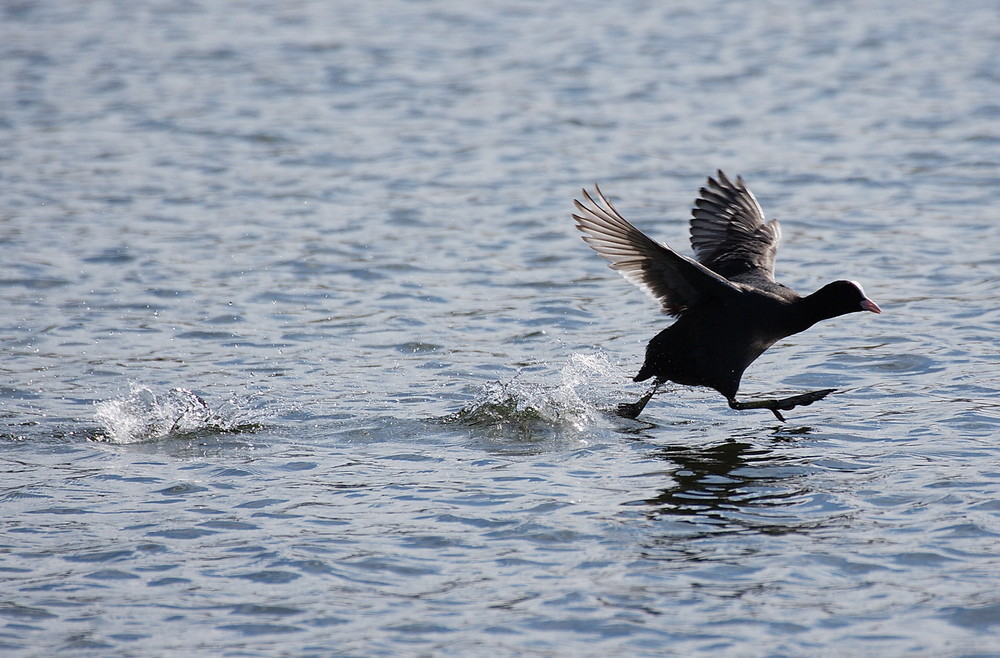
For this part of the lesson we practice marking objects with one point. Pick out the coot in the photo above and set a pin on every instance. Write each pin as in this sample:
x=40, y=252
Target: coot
x=728, y=306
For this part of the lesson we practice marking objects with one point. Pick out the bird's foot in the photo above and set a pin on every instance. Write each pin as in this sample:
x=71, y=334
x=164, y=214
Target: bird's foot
x=784, y=404
x=633, y=409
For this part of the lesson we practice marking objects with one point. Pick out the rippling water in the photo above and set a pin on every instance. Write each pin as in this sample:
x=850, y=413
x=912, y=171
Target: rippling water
x=303, y=355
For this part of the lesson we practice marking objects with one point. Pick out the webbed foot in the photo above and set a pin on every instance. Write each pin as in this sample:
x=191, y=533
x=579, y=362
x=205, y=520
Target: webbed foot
x=784, y=404
x=633, y=409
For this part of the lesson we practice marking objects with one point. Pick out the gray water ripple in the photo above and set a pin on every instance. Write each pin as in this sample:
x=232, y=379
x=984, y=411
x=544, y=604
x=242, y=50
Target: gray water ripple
x=344, y=229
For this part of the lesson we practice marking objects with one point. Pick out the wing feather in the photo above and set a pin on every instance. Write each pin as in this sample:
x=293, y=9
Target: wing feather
x=677, y=282
x=729, y=234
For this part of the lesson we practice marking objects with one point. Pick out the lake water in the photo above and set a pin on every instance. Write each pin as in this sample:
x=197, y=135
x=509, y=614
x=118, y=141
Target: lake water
x=302, y=354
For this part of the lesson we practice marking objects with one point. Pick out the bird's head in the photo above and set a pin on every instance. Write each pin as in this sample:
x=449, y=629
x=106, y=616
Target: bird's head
x=841, y=297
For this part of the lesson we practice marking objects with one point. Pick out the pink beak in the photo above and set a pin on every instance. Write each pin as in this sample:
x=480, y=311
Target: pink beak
x=869, y=305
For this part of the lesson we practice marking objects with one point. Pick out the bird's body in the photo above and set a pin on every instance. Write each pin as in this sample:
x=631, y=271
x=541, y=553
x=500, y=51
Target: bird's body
x=728, y=306
x=689, y=351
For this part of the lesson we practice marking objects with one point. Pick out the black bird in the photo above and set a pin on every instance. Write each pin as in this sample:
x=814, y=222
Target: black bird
x=728, y=306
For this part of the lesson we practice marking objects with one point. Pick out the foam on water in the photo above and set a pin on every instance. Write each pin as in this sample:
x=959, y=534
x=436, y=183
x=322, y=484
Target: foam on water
x=582, y=398
x=144, y=415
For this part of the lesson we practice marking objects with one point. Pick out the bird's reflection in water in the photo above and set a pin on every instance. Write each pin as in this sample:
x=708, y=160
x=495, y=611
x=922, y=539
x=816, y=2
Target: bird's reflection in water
x=731, y=487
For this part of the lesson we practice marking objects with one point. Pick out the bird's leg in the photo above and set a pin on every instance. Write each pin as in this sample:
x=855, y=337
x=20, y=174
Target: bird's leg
x=784, y=404
x=633, y=409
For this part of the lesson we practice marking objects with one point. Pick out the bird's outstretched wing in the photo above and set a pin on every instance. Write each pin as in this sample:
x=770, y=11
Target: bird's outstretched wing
x=728, y=231
x=677, y=282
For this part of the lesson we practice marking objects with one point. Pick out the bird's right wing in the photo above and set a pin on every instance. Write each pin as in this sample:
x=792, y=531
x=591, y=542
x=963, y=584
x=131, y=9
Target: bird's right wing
x=678, y=283
x=728, y=231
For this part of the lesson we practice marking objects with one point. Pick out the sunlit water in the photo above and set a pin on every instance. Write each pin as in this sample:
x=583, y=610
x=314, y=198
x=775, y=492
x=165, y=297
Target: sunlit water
x=302, y=354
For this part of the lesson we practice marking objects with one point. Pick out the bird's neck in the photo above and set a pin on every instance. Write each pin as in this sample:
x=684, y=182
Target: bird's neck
x=809, y=310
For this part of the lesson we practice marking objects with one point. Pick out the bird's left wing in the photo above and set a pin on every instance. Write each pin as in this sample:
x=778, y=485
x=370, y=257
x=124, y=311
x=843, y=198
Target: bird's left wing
x=677, y=282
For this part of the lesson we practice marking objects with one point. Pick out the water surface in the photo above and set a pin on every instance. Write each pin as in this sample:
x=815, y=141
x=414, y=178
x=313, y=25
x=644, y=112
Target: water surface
x=303, y=355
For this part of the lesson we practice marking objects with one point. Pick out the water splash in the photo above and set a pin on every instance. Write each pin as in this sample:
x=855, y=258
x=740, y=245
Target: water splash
x=144, y=415
x=526, y=409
